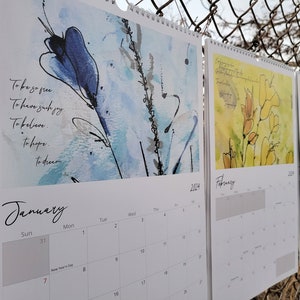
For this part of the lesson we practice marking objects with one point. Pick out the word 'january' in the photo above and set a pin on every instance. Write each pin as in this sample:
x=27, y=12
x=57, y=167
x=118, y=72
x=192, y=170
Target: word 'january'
x=17, y=212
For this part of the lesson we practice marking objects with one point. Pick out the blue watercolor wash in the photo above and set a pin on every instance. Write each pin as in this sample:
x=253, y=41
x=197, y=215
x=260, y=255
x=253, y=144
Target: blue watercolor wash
x=54, y=175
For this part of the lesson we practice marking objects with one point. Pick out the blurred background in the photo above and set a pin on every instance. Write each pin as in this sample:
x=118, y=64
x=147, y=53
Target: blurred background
x=269, y=27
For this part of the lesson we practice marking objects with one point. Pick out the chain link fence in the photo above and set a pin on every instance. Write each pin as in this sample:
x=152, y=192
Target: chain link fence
x=268, y=27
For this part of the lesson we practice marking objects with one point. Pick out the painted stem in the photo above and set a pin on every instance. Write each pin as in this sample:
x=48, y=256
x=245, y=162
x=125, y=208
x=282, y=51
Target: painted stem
x=148, y=100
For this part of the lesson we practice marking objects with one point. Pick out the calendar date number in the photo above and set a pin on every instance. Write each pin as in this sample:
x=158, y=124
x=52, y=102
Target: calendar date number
x=195, y=187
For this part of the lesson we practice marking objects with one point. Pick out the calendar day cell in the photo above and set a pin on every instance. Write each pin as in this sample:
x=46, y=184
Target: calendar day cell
x=67, y=250
x=286, y=262
x=113, y=295
x=177, y=278
x=277, y=211
x=283, y=233
x=219, y=280
x=232, y=289
x=177, y=249
x=181, y=295
x=248, y=265
x=103, y=276
x=269, y=270
x=197, y=291
x=156, y=228
x=70, y=284
x=157, y=258
x=227, y=288
x=246, y=221
x=258, y=220
x=158, y=286
x=177, y=222
x=281, y=243
x=195, y=217
x=233, y=271
x=32, y=289
x=195, y=242
x=136, y=290
x=221, y=251
x=132, y=266
x=232, y=224
x=196, y=269
x=25, y=259
x=131, y=234
x=268, y=259
x=219, y=290
x=102, y=241
x=260, y=279
x=269, y=222
x=235, y=245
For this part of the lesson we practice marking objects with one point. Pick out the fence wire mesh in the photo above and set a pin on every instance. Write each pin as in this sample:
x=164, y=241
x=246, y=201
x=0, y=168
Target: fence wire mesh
x=268, y=27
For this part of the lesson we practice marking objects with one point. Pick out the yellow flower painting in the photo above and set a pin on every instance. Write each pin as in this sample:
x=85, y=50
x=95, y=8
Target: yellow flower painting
x=253, y=109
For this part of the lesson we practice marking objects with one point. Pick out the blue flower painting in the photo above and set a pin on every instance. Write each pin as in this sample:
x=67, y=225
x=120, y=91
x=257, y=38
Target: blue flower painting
x=129, y=96
x=147, y=111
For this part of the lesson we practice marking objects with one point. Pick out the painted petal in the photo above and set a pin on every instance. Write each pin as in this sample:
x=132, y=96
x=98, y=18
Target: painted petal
x=271, y=158
x=252, y=138
x=243, y=109
x=274, y=122
x=275, y=99
x=262, y=90
x=248, y=124
x=84, y=65
x=89, y=129
x=249, y=104
x=56, y=45
x=60, y=69
x=265, y=111
x=233, y=162
x=264, y=151
x=290, y=157
x=226, y=160
x=268, y=155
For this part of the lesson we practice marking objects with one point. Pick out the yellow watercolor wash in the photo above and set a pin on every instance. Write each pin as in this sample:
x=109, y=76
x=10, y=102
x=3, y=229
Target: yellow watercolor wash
x=253, y=115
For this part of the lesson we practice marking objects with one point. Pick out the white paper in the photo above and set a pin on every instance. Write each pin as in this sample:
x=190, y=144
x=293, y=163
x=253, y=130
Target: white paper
x=102, y=177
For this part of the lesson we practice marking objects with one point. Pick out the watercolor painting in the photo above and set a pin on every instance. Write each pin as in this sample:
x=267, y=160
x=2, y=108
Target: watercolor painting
x=253, y=115
x=121, y=99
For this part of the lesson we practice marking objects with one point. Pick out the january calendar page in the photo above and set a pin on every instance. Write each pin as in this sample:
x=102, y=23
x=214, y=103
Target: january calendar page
x=253, y=159
x=102, y=173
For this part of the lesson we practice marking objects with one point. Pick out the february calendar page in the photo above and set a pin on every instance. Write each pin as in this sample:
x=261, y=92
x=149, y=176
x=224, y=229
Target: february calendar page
x=253, y=171
x=102, y=177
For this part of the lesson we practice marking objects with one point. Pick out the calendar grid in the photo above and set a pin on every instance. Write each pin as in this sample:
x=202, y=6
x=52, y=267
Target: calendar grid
x=159, y=257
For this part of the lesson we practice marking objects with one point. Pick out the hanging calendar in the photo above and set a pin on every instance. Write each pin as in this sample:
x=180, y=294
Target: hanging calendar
x=253, y=158
x=102, y=181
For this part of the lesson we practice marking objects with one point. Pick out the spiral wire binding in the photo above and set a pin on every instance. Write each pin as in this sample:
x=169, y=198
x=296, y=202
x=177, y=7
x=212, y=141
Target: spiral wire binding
x=252, y=55
x=161, y=20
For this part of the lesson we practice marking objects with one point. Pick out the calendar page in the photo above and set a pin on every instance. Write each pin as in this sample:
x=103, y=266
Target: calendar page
x=253, y=171
x=101, y=169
